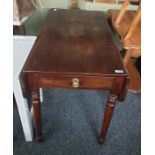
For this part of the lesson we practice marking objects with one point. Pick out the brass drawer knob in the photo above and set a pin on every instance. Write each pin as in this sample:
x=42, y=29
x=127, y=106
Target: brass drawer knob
x=75, y=83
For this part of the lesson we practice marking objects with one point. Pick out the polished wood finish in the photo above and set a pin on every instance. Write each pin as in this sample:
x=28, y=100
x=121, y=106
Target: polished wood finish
x=116, y=89
x=122, y=95
x=37, y=113
x=65, y=81
x=76, y=43
x=75, y=50
x=128, y=26
x=107, y=116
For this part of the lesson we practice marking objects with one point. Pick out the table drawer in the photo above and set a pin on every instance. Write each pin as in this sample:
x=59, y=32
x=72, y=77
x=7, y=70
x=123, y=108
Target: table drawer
x=76, y=82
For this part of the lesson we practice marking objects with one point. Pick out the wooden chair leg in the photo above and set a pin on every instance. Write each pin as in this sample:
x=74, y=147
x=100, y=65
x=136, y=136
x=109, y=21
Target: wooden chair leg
x=135, y=80
x=127, y=57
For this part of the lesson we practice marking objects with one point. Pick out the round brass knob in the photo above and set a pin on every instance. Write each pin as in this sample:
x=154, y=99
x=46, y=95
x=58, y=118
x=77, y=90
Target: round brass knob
x=75, y=83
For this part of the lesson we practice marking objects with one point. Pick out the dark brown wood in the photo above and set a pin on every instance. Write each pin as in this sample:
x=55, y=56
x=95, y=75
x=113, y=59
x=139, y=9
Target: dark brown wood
x=65, y=81
x=107, y=117
x=77, y=42
x=124, y=90
x=37, y=113
x=114, y=92
x=135, y=2
x=75, y=50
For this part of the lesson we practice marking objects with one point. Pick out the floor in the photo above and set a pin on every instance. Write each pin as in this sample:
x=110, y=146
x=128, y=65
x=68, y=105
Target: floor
x=72, y=120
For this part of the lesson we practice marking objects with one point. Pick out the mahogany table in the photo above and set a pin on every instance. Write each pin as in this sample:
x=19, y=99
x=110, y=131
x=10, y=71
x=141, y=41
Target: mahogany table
x=75, y=50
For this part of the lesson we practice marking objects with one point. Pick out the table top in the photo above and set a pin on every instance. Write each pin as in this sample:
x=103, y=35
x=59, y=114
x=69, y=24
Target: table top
x=75, y=42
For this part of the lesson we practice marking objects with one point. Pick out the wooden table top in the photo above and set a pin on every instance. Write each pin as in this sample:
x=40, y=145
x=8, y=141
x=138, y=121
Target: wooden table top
x=75, y=42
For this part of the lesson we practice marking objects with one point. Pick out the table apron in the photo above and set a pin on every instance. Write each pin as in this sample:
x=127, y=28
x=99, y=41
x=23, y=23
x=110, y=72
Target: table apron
x=85, y=82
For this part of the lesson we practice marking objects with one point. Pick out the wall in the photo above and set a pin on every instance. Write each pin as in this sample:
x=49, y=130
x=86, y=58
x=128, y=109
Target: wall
x=82, y=4
x=64, y=4
x=101, y=6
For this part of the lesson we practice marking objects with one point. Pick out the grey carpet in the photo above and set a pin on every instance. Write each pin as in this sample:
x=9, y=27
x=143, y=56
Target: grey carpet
x=71, y=123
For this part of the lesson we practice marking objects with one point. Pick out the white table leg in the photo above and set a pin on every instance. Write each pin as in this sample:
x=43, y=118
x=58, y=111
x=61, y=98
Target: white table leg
x=23, y=110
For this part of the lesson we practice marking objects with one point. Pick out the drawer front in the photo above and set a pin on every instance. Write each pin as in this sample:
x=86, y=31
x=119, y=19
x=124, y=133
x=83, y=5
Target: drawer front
x=76, y=82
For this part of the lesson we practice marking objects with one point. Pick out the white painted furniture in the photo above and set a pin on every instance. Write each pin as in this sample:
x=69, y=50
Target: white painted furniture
x=21, y=48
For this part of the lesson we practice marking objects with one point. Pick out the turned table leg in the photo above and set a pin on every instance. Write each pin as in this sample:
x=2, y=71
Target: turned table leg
x=37, y=114
x=107, y=116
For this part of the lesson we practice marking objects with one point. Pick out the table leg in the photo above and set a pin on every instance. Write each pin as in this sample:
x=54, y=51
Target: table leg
x=23, y=110
x=107, y=116
x=37, y=114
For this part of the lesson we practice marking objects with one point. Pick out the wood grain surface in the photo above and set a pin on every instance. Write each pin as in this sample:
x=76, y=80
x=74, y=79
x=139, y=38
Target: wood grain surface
x=75, y=42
